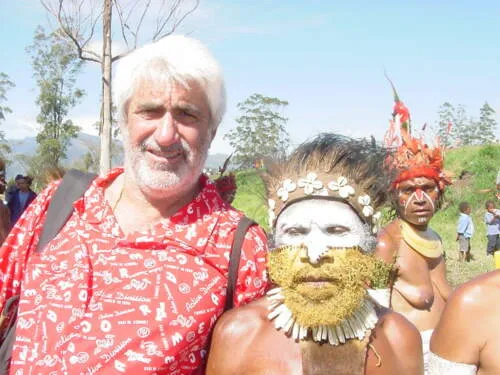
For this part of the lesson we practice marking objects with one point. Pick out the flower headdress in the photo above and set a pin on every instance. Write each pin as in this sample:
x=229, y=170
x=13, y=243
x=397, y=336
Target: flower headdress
x=411, y=156
x=330, y=167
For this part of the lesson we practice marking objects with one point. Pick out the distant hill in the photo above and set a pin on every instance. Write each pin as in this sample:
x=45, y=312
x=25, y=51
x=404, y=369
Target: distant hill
x=78, y=148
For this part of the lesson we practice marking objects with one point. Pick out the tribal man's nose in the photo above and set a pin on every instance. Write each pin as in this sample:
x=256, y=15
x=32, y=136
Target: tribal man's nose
x=313, y=254
x=419, y=194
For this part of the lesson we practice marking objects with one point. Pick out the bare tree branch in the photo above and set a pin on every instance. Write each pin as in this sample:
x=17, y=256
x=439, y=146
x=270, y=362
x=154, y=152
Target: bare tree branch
x=176, y=24
x=119, y=11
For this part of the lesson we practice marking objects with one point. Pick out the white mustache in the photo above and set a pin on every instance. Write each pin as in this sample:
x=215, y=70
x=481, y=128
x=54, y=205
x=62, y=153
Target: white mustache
x=151, y=145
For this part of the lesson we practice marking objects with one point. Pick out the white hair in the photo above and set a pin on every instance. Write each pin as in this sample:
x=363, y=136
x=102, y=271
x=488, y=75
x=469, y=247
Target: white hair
x=175, y=57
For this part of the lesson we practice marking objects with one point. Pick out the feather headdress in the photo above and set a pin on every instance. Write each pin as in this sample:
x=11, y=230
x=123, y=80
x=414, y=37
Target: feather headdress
x=411, y=156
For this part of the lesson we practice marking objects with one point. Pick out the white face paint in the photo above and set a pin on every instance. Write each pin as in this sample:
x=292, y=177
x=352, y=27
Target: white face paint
x=320, y=224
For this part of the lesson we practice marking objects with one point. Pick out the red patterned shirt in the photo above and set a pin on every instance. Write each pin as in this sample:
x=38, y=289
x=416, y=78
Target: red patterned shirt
x=98, y=301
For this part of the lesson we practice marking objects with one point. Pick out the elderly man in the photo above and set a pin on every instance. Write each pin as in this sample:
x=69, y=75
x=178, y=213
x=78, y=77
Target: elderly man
x=319, y=319
x=421, y=289
x=135, y=280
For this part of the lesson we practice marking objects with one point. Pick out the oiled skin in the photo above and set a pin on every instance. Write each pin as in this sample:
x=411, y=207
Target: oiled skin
x=245, y=342
x=421, y=289
x=468, y=329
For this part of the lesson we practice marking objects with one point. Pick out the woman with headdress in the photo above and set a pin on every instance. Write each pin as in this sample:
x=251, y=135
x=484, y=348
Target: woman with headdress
x=417, y=186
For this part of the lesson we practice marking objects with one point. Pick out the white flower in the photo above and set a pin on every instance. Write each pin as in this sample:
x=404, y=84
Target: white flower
x=376, y=216
x=288, y=186
x=271, y=218
x=368, y=211
x=310, y=183
x=341, y=186
x=364, y=200
x=271, y=203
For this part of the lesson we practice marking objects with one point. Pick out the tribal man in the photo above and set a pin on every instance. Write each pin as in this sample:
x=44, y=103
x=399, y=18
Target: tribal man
x=320, y=318
x=421, y=289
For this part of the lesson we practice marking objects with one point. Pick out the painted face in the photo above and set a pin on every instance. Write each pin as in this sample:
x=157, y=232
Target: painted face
x=321, y=281
x=167, y=137
x=417, y=200
x=319, y=224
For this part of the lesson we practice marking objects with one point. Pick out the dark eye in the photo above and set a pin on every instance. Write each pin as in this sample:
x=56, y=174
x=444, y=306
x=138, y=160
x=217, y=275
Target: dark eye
x=296, y=231
x=151, y=113
x=337, y=229
x=186, y=115
x=429, y=189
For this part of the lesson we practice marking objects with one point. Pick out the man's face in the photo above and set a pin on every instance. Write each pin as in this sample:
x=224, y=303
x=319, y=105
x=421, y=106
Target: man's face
x=23, y=185
x=2, y=181
x=323, y=275
x=167, y=137
x=416, y=200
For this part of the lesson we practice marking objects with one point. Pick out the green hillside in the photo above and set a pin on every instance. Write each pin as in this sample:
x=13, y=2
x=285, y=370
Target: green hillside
x=474, y=169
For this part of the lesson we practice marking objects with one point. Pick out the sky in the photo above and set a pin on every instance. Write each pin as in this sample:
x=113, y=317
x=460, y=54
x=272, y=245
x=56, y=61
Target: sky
x=326, y=58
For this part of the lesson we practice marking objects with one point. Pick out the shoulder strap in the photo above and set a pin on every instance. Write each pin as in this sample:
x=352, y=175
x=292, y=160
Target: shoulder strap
x=234, y=259
x=72, y=187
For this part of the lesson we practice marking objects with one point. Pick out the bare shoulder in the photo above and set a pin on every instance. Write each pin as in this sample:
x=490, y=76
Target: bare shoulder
x=242, y=321
x=400, y=331
x=388, y=241
x=476, y=294
x=236, y=328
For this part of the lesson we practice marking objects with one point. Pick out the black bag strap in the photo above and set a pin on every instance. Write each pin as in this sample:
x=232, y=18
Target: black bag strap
x=234, y=259
x=72, y=187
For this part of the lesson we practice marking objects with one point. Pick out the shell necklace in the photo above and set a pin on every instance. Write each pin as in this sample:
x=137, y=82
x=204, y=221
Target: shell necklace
x=356, y=325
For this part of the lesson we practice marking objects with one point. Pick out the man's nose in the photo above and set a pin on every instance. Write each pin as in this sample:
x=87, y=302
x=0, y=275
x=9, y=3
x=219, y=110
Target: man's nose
x=419, y=196
x=166, y=133
x=314, y=251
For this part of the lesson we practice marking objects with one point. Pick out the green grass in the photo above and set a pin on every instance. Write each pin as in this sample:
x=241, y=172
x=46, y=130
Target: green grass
x=480, y=164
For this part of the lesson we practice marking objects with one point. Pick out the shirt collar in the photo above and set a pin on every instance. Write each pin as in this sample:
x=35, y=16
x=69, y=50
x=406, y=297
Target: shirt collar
x=203, y=212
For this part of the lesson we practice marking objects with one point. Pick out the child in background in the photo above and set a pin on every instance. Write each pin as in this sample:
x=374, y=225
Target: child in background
x=492, y=220
x=465, y=230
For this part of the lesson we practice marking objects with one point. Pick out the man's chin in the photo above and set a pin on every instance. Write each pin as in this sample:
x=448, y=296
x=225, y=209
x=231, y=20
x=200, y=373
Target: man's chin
x=160, y=184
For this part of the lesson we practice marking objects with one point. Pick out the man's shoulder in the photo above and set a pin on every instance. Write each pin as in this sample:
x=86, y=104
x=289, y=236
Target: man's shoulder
x=243, y=321
x=477, y=292
x=398, y=329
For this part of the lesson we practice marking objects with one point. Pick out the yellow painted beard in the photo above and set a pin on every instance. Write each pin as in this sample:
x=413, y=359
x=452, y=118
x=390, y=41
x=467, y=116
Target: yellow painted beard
x=325, y=293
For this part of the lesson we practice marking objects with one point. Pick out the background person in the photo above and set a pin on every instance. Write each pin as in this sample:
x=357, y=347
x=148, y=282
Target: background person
x=465, y=230
x=421, y=289
x=4, y=211
x=20, y=198
x=492, y=221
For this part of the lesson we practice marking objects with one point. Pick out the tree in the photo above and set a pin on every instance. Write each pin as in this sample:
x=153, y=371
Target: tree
x=456, y=128
x=55, y=66
x=487, y=125
x=5, y=85
x=261, y=131
x=79, y=20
